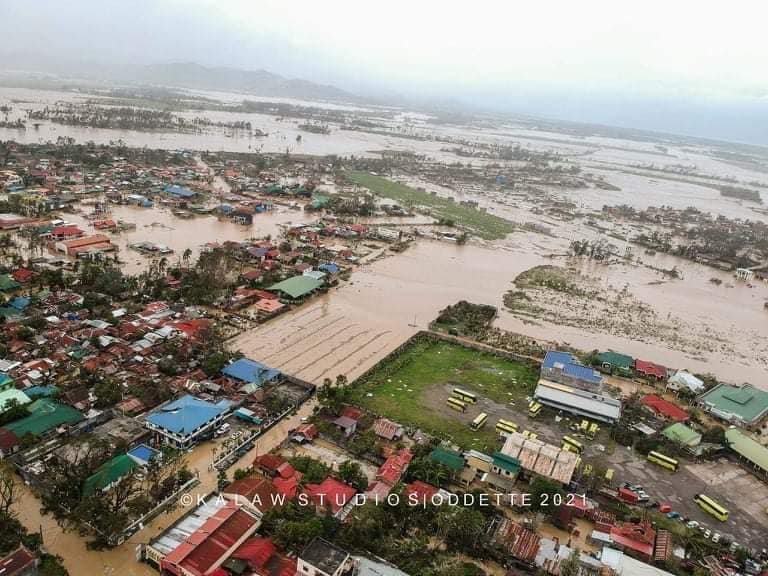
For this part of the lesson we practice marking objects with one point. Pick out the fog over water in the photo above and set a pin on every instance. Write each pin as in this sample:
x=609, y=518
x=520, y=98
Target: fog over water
x=684, y=67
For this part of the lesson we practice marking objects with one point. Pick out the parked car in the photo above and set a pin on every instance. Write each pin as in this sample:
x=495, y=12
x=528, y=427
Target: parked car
x=716, y=537
x=707, y=533
x=223, y=429
x=692, y=524
x=673, y=515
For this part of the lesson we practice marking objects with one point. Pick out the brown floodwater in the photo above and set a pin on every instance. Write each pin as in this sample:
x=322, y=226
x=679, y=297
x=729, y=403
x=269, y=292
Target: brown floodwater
x=349, y=329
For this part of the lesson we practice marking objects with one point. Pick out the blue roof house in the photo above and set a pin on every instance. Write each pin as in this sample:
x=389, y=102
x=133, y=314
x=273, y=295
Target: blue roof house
x=249, y=371
x=183, y=421
x=20, y=303
x=179, y=191
x=564, y=368
x=330, y=268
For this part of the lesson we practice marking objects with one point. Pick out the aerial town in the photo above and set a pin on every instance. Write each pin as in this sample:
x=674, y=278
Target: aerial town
x=135, y=423
x=260, y=326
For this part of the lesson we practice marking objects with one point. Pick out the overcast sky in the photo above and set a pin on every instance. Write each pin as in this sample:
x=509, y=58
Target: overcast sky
x=677, y=65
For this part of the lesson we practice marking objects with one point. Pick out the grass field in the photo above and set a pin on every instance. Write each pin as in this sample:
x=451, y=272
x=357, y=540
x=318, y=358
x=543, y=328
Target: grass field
x=476, y=222
x=410, y=389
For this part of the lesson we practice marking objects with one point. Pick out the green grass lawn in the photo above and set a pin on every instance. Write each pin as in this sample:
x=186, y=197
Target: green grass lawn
x=476, y=222
x=403, y=388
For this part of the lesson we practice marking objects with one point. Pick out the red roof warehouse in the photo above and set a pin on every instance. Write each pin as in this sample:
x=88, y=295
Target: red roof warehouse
x=664, y=408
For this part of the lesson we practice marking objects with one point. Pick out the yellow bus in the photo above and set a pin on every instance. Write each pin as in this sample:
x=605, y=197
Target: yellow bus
x=569, y=443
x=533, y=409
x=464, y=396
x=609, y=475
x=479, y=422
x=505, y=427
x=456, y=404
x=593, y=430
x=711, y=507
x=663, y=461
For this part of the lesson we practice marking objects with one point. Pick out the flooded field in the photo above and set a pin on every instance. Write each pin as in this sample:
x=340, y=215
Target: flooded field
x=159, y=225
x=349, y=329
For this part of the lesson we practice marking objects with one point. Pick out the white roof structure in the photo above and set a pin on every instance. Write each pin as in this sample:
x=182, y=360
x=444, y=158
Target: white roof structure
x=624, y=565
x=683, y=379
x=578, y=401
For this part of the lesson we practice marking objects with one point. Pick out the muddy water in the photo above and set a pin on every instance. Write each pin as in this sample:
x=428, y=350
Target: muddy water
x=351, y=328
x=161, y=226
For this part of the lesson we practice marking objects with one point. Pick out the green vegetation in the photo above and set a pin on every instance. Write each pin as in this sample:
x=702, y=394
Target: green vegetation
x=465, y=319
x=404, y=388
x=486, y=226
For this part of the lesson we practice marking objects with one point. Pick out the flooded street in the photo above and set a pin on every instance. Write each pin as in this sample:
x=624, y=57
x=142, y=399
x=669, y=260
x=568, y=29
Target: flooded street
x=122, y=560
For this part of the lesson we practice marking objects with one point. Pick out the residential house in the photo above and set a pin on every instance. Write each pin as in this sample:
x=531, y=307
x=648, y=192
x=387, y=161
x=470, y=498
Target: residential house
x=321, y=558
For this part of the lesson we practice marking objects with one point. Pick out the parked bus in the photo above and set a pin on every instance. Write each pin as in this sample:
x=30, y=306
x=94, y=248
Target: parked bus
x=505, y=427
x=464, y=396
x=479, y=422
x=663, y=461
x=533, y=409
x=456, y=404
x=711, y=507
x=569, y=443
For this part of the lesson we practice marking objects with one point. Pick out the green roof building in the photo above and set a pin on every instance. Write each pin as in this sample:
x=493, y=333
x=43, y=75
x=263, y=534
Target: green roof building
x=297, y=286
x=505, y=465
x=681, y=434
x=7, y=283
x=743, y=405
x=753, y=453
x=614, y=362
x=109, y=474
x=11, y=395
x=45, y=415
x=448, y=458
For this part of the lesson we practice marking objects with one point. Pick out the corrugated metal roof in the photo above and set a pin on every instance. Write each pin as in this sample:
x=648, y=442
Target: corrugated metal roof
x=578, y=401
x=185, y=415
x=748, y=448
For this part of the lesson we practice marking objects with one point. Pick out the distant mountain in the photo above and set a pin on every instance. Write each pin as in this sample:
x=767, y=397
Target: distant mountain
x=256, y=82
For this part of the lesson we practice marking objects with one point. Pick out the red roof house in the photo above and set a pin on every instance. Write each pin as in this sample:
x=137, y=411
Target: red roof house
x=22, y=275
x=259, y=493
x=418, y=491
x=268, y=464
x=393, y=468
x=650, y=370
x=20, y=562
x=664, y=408
x=635, y=539
x=331, y=493
x=263, y=558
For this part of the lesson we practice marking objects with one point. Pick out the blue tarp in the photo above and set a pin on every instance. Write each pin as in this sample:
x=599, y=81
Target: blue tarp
x=250, y=371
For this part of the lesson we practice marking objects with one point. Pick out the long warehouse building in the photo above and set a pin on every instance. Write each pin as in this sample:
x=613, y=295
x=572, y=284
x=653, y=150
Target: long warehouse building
x=578, y=401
